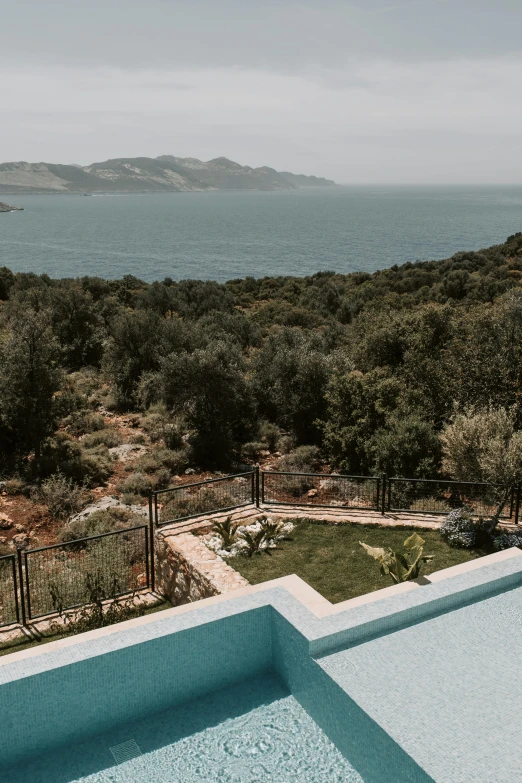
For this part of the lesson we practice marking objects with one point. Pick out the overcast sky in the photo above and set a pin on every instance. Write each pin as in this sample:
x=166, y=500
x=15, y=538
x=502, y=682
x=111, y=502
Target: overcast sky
x=373, y=91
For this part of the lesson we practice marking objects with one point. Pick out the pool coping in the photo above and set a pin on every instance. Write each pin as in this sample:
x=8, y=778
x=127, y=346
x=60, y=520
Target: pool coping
x=324, y=625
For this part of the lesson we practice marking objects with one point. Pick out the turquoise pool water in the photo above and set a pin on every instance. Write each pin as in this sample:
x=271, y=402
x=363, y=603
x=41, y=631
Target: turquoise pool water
x=254, y=732
x=418, y=687
x=445, y=689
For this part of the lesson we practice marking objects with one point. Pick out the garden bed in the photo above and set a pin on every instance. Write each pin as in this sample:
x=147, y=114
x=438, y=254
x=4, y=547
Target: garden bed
x=329, y=558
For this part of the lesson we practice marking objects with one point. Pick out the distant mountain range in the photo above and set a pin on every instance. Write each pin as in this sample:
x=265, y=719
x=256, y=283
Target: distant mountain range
x=140, y=175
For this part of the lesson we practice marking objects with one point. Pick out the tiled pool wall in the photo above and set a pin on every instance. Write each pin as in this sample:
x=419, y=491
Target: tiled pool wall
x=376, y=757
x=66, y=703
x=91, y=685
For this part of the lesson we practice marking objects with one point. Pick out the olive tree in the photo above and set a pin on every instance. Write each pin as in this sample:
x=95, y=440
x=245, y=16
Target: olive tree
x=29, y=380
x=208, y=387
x=483, y=445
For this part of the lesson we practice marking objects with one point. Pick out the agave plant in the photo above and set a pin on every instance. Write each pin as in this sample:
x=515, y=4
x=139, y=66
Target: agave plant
x=402, y=567
x=228, y=532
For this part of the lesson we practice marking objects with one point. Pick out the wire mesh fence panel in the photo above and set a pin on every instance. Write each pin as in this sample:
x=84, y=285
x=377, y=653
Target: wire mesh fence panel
x=440, y=497
x=8, y=591
x=319, y=489
x=191, y=500
x=81, y=572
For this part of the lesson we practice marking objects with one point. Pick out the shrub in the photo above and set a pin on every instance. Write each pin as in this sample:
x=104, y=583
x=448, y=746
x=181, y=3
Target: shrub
x=109, y=437
x=459, y=529
x=97, y=614
x=269, y=434
x=57, y=453
x=149, y=463
x=175, y=460
x=131, y=499
x=103, y=521
x=507, y=540
x=162, y=479
x=85, y=422
x=136, y=484
x=252, y=449
x=160, y=425
x=95, y=466
x=15, y=486
x=62, y=496
x=63, y=454
x=253, y=539
x=295, y=486
x=303, y=460
x=286, y=444
x=173, y=435
x=199, y=502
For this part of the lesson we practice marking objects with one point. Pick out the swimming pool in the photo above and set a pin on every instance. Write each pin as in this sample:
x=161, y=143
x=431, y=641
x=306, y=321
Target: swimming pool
x=254, y=731
x=276, y=685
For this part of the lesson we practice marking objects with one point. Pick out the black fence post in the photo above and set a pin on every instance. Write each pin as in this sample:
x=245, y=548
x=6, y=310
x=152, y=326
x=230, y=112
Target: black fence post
x=257, y=486
x=383, y=497
x=152, y=539
x=517, y=505
x=21, y=583
x=263, y=487
x=27, y=585
x=15, y=588
x=389, y=483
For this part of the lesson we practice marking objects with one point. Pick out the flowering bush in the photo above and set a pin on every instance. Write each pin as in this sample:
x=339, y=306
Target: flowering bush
x=459, y=529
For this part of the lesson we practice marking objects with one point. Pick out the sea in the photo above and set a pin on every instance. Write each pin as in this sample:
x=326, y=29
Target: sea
x=223, y=235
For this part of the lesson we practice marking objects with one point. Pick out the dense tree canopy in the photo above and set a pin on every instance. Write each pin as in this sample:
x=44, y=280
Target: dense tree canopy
x=370, y=368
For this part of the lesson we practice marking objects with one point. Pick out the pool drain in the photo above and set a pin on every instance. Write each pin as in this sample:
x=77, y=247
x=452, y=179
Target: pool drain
x=125, y=751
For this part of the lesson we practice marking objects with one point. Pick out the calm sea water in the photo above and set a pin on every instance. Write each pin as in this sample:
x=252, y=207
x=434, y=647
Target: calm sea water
x=220, y=235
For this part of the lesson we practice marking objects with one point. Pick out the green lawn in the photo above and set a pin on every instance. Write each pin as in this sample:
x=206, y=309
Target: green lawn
x=330, y=559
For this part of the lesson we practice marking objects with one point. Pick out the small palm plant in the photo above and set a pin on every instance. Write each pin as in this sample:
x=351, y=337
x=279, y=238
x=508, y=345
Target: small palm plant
x=228, y=532
x=255, y=541
x=402, y=567
x=273, y=530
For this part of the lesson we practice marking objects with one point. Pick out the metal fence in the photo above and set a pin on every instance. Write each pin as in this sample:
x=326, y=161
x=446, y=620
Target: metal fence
x=39, y=582
x=9, y=610
x=77, y=573
x=177, y=504
x=319, y=489
x=373, y=493
x=440, y=497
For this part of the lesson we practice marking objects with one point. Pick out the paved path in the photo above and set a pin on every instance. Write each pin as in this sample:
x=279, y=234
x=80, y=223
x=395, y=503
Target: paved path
x=336, y=516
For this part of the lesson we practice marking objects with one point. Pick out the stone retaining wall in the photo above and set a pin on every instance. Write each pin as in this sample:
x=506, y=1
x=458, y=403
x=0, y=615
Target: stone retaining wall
x=186, y=570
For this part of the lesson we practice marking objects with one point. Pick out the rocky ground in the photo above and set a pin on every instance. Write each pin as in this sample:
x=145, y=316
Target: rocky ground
x=25, y=522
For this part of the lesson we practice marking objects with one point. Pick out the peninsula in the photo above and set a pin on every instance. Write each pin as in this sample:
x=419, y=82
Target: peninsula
x=148, y=175
x=8, y=208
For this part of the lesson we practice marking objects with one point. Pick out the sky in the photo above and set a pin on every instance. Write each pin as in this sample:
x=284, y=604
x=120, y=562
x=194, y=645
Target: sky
x=373, y=91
